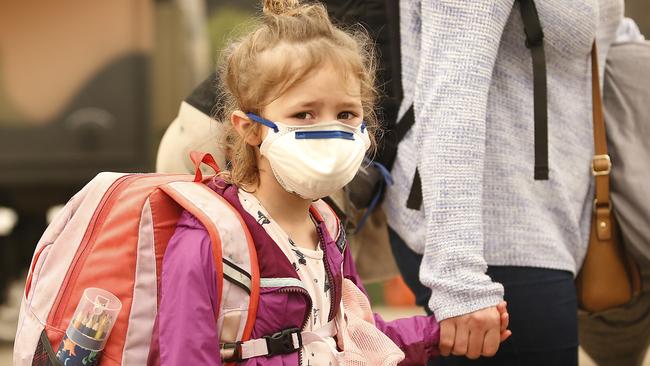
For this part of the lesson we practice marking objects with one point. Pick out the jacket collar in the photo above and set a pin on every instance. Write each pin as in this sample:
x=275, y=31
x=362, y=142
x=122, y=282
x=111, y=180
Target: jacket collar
x=273, y=262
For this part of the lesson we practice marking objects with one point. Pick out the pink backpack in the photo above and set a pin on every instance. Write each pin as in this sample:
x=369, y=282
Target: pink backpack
x=112, y=235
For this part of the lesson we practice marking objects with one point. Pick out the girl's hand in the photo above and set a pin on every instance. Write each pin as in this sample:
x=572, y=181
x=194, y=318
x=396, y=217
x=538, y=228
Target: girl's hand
x=475, y=334
x=505, y=320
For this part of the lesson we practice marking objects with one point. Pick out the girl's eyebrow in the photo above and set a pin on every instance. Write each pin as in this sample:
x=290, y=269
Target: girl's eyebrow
x=308, y=104
x=348, y=105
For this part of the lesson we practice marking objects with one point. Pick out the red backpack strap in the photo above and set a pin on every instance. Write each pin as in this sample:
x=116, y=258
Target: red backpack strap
x=233, y=250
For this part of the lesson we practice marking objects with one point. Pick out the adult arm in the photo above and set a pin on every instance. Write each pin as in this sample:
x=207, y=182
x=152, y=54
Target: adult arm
x=458, y=45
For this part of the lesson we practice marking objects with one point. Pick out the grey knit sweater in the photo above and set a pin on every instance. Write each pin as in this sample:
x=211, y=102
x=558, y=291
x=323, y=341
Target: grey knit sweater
x=468, y=72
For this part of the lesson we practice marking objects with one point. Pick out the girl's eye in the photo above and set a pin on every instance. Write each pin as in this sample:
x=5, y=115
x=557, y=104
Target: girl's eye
x=346, y=115
x=303, y=115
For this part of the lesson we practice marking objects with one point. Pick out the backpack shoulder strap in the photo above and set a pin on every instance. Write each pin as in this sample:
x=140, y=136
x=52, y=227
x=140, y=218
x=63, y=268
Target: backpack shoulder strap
x=233, y=251
x=535, y=42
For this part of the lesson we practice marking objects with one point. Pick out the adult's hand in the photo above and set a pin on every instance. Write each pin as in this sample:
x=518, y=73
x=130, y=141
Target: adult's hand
x=473, y=335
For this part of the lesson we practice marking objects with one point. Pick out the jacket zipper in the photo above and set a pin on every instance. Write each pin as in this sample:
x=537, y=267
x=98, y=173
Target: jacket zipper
x=81, y=254
x=328, y=270
x=302, y=291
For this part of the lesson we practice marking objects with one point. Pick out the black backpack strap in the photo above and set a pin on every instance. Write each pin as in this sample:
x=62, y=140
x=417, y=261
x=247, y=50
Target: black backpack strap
x=534, y=42
x=405, y=124
x=414, y=202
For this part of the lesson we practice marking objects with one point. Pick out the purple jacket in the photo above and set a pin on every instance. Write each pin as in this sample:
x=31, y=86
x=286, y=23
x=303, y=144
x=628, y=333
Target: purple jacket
x=185, y=332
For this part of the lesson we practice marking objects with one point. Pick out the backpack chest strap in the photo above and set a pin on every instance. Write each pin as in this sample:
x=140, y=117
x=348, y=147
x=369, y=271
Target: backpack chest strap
x=284, y=342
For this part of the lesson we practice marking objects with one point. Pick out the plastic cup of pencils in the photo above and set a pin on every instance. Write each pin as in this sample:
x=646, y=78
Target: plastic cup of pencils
x=90, y=328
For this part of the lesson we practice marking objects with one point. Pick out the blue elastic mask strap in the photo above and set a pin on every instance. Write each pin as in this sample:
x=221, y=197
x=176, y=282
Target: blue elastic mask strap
x=263, y=121
x=386, y=181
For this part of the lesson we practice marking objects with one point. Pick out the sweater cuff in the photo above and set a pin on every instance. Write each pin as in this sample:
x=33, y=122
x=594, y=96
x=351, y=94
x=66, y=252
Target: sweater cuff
x=452, y=307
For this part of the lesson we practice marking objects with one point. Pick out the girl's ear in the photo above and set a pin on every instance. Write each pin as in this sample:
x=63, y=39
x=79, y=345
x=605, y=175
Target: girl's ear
x=246, y=128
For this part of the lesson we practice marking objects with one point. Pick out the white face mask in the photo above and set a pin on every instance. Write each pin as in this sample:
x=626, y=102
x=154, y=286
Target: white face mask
x=316, y=160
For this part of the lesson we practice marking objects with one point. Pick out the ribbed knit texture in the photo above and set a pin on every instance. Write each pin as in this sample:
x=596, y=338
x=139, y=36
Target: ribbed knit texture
x=468, y=72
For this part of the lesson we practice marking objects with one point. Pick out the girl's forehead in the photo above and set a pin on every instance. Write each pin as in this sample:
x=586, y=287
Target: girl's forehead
x=312, y=71
x=326, y=83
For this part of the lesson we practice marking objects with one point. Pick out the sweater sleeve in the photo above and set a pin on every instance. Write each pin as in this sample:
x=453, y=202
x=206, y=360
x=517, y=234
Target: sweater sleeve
x=459, y=42
x=187, y=322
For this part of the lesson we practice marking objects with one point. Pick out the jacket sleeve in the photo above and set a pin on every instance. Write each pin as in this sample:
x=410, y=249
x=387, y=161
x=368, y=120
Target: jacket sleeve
x=186, y=319
x=459, y=42
x=416, y=336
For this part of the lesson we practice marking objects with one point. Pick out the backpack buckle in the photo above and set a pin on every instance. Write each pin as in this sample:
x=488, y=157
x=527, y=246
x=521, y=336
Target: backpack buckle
x=236, y=355
x=284, y=342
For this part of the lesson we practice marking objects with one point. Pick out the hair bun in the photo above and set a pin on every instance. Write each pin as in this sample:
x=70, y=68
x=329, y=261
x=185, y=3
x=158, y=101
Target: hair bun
x=280, y=7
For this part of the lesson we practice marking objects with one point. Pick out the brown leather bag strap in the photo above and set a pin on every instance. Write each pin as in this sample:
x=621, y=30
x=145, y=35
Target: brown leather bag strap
x=601, y=164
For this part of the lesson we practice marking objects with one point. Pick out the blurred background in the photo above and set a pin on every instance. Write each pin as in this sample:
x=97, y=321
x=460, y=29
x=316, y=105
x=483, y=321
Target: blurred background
x=91, y=86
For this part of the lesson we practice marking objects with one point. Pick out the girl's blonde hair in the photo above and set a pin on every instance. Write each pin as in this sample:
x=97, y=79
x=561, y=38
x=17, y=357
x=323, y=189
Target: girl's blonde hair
x=300, y=38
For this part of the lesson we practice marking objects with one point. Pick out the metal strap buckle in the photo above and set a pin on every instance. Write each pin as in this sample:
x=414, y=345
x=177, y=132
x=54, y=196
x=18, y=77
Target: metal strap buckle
x=608, y=207
x=281, y=343
x=605, y=158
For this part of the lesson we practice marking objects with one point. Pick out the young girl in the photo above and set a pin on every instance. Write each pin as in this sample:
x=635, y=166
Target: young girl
x=299, y=95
